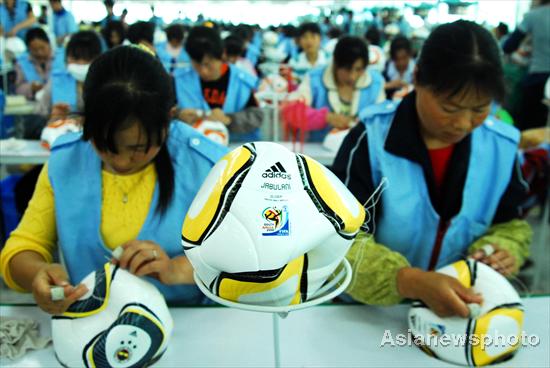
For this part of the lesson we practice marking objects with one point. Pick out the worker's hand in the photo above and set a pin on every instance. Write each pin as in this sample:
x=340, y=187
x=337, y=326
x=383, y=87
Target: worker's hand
x=189, y=116
x=499, y=259
x=49, y=276
x=60, y=111
x=147, y=258
x=339, y=121
x=443, y=294
x=217, y=114
x=36, y=86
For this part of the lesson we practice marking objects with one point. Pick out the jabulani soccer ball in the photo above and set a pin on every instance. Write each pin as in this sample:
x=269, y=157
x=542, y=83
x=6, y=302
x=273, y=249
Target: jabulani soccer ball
x=123, y=321
x=490, y=336
x=268, y=226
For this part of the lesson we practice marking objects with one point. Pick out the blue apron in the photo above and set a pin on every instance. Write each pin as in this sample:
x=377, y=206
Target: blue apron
x=75, y=175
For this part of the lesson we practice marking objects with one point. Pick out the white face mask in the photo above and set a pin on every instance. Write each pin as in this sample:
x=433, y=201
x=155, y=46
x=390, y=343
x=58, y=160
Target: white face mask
x=78, y=71
x=173, y=51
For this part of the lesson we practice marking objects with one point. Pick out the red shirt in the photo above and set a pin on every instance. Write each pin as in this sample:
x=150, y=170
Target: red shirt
x=440, y=158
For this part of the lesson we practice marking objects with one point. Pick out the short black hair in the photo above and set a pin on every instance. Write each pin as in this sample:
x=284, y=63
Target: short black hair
x=244, y=31
x=400, y=43
x=174, y=32
x=308, y=27
x=109, y=3
x=204, y=41
x=113, y=26
x=348, y=50
x=141, y=31
x=34, y=34
x=233, y=45
x=461, y=55
x=124, y=85
x=84, y=45
x=503, y=28
x=334, y=32
x=373, y=36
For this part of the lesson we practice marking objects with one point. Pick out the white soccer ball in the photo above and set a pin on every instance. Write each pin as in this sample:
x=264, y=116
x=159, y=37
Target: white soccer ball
x=214, y=130
x=492, y=333
x=273, y=83
x=268, y=226
x=123, y=321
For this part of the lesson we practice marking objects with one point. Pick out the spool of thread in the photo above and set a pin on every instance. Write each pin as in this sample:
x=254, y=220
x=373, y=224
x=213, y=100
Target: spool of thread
x=57, y=293
x=117, y=252
x=475, y=310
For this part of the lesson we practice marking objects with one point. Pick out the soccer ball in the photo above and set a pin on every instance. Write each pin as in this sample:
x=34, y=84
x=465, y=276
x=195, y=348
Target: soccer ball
x=273, y=83
x=268, y=226
x=214, y=130
x=123, y=321
x=492, y=335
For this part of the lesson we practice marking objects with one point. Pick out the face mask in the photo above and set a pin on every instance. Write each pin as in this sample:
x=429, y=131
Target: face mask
x=78, y=71
x=173, y=51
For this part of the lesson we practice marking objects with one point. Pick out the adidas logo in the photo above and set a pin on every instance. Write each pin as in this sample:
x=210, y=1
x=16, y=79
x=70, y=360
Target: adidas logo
x=276, y=171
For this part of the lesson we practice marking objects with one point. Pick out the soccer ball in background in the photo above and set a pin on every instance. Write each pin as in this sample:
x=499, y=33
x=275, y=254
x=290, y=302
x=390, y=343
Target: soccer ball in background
x=491, y=336
x=214, y=130
x=123, y=321
x=268, y=226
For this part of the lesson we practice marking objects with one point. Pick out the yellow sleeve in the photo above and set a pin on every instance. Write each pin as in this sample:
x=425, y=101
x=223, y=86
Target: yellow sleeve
x=36, y=232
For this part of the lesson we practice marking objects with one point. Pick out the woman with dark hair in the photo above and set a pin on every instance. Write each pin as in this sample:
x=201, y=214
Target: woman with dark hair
x=33, y=67
x=454, y=184
x=399, y=70
x=342, y=89
x=63, y=93
x=114, y=33
x=127, y=181
x=172, y=53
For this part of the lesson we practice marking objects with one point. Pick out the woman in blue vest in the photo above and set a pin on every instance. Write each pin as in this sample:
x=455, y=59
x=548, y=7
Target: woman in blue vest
x=64, y=24
x=345, y=87
x=453, y=180
x=33, y=67
x=15, y=17
x=63, y=93
x=172, y=53
x=127, y=180
x=214, y=90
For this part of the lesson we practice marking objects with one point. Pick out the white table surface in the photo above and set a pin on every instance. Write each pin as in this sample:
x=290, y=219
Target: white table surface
x=323, y=336
x=33, y=153
x=21, y=109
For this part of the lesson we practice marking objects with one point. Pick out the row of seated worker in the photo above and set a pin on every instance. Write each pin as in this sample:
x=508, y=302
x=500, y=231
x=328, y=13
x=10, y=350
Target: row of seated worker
x=454, y=184
x=215, y=79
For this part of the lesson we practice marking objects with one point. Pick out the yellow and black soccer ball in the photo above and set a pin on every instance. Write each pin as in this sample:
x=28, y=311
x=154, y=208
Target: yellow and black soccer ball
x=488, y=336
x=268, y=226
x=123, y=321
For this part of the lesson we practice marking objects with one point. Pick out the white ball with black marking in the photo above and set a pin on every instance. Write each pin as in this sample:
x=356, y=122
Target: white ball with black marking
x=123, y=321
x=490, y=334
x=268, y=226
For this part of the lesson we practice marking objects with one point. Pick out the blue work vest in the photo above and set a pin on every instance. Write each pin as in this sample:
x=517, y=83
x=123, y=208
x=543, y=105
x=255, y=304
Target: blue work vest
x=241, y=86
x=75, y=175
x=319, y=95
x=167, y=60
x=19, y=15
x=408, y=223
x=64, y=89
x=27, y=67
x=64, y=24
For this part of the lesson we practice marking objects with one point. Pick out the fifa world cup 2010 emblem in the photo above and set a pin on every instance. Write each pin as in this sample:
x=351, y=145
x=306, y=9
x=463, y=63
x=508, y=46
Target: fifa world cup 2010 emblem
x=275, y=221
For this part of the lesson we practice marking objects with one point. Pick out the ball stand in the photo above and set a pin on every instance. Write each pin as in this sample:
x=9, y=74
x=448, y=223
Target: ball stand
x=327, y=292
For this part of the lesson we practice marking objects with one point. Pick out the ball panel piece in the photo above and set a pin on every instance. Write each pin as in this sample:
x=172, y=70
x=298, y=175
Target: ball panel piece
x=336, y=199
x=211, y=199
